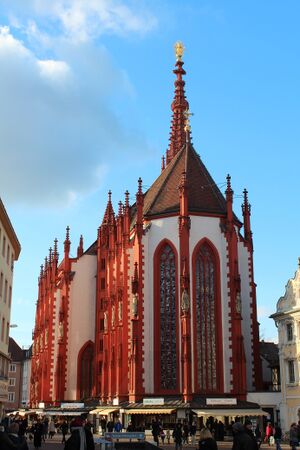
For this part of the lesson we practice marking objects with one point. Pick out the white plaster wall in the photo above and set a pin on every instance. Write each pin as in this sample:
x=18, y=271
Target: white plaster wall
x=160, y=229
x=209, y=227
x=81, y=315
x=246, y=311
x=167, y=228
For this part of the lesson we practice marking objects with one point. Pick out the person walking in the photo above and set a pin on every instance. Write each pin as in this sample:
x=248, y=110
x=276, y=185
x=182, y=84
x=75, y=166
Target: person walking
x=177, y=435
x=241, y=440
x=293, y=436
x=206, y=440
x=64, y=430
x=37, y=434
x=81, y=436
x=249, y=431
x=269, y=432
x=13, y=434
x=278, y=436
x=51, y=429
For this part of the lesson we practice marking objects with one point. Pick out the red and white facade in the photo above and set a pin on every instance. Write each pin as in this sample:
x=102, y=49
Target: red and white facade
x=163, y=302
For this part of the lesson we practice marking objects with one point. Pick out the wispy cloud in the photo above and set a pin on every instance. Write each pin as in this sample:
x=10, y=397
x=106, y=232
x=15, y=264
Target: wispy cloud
x=58, y=131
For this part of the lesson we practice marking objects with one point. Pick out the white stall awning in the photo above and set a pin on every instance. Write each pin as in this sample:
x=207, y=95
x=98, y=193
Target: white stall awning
x=230, y=412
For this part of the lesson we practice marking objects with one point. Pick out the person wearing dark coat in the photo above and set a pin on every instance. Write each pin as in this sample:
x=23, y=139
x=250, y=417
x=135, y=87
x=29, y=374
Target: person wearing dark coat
x=248, y=428
x=241, y=440
x=64, y=430
x=81, y=436
x=16, y=439
x=37, y=434
x=177, y=435
x=206, y=441
x=5, y=441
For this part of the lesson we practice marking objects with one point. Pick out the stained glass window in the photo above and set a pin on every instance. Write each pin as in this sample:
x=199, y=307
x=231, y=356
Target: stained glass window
x=168, y=327
x=205, y=276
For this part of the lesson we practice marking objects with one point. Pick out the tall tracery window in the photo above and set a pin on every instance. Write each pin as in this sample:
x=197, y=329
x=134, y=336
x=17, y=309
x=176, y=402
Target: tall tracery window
x=205, y=279
x=86, y=372
x=167, y=315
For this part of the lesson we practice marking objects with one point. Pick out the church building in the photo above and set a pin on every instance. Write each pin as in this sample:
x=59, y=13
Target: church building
x=163, y=304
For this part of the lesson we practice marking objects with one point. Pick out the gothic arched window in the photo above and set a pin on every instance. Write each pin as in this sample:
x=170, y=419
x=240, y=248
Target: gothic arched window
x=85, y=371
x=166, y=327
x=207, y=320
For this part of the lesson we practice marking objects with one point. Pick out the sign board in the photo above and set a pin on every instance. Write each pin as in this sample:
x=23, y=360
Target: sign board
x=153, y=401
x=41, y=405
x=139, y=435
x=72, y=405
x=221, y=401
x=115, y=401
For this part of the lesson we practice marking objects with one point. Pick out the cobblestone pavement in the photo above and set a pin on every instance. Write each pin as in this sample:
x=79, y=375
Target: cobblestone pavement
x=55, y=444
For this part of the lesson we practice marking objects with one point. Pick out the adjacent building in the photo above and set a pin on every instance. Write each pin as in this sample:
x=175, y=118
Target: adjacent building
x=287, y=319
x=15, y=374
x=9, y=253
x=161, y=308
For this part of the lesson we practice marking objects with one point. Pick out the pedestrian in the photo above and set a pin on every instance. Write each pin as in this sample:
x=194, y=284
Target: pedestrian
x=37, y=434
x=64, y=430
x=162, y=436
x=249, y=431
x=206, y=440
x=278, y=436
x=103, y=425
x=155, y=430
x=258, y=435
x=193, y=431
x=241, y=440
x=45, y=425
x=5, y=441
x=51, y=429
x=293, y=436
x=177, y=435
x=13, y=434
x=118, y=426
x=269, y=433
x=81, y=436
x=110, y=426
x=186, y=430
x=168, y=435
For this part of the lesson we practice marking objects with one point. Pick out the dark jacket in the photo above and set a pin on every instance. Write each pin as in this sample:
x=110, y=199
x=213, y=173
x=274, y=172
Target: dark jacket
x=177, y=435
x=208, y=444
x=278, y=433
x=6, y=443
x=242, y=441
x=20, y=441
x=73, y=443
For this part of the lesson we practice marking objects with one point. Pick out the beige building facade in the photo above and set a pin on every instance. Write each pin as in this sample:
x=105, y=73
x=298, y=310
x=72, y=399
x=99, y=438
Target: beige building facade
x=9, y=253
x=287, y=319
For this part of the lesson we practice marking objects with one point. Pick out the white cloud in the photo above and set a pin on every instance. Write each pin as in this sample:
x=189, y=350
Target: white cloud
x=58, y=134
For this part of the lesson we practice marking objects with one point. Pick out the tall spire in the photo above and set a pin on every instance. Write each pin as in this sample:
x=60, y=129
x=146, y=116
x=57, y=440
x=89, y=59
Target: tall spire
x=179, y=106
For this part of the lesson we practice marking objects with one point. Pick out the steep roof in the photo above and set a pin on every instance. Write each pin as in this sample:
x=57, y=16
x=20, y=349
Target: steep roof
x=203, y=194
x=269, y=351
x=16, y=353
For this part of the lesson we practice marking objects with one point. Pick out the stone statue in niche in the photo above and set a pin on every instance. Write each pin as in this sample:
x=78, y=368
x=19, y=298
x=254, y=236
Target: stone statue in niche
x=134, y=305
x=238, y=303
x=105, y=321
x=185, y=301
x=46, y=337
x=61, y=330
x=120, y=311
x=113, y=316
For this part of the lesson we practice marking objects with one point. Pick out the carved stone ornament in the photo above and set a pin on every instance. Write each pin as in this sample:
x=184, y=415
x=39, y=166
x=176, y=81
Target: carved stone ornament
x=134, y=305
x=46, y=337
x=185, y=301
x=238, y=303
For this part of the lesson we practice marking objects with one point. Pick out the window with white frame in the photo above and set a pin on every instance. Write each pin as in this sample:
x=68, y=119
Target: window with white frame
x=291, y=371
x=11, y=397
x=289, y=331
x=12, y=368
x=12, y=381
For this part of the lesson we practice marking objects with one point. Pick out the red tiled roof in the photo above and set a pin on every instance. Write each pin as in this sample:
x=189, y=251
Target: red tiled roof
x=203, y=194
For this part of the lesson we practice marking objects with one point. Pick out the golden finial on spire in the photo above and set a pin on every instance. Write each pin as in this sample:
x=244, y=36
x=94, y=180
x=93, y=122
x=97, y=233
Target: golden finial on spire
x=179, y=50
x=187, y=114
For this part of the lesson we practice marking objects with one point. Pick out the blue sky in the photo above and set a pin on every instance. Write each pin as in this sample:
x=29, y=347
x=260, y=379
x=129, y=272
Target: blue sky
x=86, y=87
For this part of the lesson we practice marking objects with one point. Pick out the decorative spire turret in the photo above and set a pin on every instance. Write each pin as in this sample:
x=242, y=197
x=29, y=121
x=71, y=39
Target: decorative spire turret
x=246, y=208
x=109, y=214
x=67, y=242
x=229, y=199
x=179, y=106
x=80, y=247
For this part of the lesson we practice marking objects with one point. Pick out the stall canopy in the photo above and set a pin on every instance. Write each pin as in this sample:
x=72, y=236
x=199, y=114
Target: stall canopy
x=62, y=413
x=149, y=411
x=104, y=412
x=230, y=412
